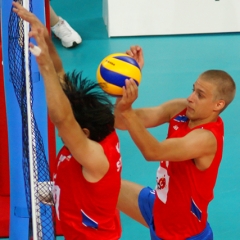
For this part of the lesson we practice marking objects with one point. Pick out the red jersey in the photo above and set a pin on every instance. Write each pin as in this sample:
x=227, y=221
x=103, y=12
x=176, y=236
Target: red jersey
x=183, y=191
x=87, y=211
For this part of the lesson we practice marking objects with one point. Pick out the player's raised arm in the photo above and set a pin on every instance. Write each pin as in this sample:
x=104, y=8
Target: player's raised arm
x=149, y=117
x=60, y=111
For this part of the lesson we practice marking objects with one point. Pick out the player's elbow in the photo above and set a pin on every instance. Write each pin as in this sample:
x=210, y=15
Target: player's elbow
x=150, y=155
x=148, y=159
x=57, y=118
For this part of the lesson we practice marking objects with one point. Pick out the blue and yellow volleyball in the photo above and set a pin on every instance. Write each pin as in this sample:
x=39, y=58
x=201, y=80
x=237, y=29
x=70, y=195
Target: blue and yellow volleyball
x=114, y=70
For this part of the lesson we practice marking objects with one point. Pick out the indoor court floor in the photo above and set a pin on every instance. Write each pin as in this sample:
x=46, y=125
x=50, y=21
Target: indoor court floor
x=172, y=64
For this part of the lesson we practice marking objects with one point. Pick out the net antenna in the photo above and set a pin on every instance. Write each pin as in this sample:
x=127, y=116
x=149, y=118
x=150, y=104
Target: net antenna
x=35, y=165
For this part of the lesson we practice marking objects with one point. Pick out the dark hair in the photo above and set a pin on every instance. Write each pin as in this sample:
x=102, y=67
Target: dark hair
x=91, y=106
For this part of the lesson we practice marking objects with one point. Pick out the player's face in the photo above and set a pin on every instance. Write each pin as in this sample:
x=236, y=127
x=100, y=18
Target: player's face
x=201, y=103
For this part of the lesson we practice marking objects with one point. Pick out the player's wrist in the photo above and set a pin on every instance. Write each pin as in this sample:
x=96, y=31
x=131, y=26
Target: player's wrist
x=127, y=113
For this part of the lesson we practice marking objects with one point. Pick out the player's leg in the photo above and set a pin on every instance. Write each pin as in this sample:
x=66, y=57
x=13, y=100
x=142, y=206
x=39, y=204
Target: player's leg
x=53, y=17
x=128, y=201
x=137, y=202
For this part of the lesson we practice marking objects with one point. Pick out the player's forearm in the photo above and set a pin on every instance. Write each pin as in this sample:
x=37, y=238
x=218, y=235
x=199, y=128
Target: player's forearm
x=118, y=120
x=55, y=58
x=146, y=143
x=58, y=105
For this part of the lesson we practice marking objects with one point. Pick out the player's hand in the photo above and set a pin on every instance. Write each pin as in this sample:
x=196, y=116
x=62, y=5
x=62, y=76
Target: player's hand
x=29, y=17
x=43, y=59
x=130, y=94
x=137, y=53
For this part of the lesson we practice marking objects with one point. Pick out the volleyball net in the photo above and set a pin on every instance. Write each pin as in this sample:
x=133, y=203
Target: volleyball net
x=23, y=81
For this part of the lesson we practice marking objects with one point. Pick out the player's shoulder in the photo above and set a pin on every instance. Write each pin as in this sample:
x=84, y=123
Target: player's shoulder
x=204, y=137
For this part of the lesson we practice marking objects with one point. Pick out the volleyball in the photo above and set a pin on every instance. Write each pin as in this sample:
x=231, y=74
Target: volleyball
x=114, y=70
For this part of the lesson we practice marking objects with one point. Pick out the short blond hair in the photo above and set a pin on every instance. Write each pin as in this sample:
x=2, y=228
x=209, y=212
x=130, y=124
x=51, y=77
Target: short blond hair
x=226, y=87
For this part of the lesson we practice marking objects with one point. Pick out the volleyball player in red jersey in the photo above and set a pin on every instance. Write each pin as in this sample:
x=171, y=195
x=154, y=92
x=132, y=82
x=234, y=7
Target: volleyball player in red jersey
x=189, y=158
x=88, y=172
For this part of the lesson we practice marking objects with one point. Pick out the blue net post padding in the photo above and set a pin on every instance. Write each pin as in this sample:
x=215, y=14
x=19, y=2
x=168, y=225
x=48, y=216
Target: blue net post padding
x=20, y=209
x=19, y=219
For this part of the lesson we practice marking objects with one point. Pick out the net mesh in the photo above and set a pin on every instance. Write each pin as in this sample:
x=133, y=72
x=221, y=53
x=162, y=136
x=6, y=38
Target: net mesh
x=41, y=180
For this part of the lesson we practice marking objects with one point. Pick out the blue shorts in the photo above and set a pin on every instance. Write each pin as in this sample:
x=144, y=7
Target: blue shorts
x=145, y=202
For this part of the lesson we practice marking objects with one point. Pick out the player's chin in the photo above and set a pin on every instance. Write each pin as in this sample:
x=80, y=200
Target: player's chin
x=190, y=112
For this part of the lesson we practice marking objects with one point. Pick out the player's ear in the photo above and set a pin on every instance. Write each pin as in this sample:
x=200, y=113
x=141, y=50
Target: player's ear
x=220, y=104
x=86, y=131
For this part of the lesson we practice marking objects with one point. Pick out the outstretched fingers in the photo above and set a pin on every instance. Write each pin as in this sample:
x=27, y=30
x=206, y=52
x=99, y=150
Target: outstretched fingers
x=23, y=13
x=130, y=91
x=137, y=53
x=130, y=94
x=37, y=34
x=35, y=50
x=29, y=17
x=41, y=50
x=133, y=51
